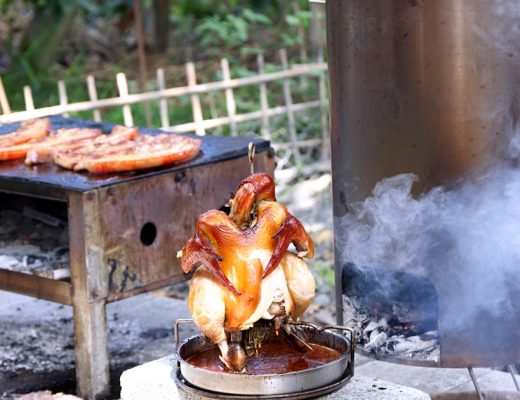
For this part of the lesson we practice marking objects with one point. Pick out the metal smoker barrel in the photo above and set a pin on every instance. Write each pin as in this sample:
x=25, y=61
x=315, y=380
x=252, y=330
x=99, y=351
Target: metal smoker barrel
x=422, y=86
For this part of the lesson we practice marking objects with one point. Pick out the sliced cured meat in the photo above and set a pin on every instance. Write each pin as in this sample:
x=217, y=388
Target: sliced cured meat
x=28, y=130
x=146, y=152
x=43, y=150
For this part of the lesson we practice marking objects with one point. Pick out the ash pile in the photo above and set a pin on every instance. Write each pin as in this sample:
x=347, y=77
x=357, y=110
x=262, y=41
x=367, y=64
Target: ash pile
x=34, y=242
x=393, y=313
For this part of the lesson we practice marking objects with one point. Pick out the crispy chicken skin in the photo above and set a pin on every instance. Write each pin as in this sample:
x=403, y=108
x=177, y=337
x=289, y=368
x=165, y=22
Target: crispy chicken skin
x=245, y=266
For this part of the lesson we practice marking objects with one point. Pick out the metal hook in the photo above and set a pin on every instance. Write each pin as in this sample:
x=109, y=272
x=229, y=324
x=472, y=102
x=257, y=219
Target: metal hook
x=251, y=156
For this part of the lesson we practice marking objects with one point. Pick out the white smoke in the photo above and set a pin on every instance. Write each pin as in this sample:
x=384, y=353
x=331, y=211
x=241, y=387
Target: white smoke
x=503, y=28
x=469, y=233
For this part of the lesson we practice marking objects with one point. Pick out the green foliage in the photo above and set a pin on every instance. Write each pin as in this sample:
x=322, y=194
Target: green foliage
x=298, y=20
x=238, y=30
x=230, y=30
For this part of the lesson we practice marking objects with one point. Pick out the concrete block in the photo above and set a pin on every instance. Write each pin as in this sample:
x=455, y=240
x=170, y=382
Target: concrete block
x=436, y=380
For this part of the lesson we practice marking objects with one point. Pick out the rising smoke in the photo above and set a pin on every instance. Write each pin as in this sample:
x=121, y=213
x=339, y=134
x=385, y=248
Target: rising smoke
x=469, y=233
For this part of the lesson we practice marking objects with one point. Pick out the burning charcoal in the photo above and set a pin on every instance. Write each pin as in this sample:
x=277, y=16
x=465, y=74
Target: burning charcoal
x=401, y=312
x=20, y=249
x=7, y=262
x=61, y=251
x=408, y=346
x=430, y=335
x=387, y=287
x=370, y=327
x=391, y=344
x=377, y=339
x=350, y=312
x=34, y=260
x=361, y=337
x=384, y=328
x=34, y=248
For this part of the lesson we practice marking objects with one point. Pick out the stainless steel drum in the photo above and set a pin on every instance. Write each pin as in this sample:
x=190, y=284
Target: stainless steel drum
x=428, y=87
x=422, y=86
x=314, y=381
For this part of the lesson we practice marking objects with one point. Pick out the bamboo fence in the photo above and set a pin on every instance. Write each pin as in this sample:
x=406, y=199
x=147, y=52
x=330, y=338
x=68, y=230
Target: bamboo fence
x=291, y=146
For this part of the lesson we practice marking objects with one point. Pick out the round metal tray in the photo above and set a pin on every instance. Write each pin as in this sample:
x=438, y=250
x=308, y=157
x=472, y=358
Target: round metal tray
x=309, y=382
x=307, y=394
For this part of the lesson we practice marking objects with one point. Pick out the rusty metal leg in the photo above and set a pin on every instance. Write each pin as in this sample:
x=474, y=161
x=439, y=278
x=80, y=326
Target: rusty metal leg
x=89, y=293
x=475, y=383
x=512, y=370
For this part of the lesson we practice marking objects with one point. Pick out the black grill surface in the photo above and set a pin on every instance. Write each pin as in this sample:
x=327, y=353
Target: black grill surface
x=49, y=180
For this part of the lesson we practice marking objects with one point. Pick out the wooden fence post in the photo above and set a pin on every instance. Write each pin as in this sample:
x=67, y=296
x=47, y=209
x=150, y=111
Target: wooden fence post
x=28, y=98
x=264, y=101
x=290, y=113
x=122, y=87
x=195, y=100
x=292, y=149
x=213, y=110
x=92, y=94
x=62, y=94
x=230, y=98
x=141, y=54
x=4, y=103
x=163, y=102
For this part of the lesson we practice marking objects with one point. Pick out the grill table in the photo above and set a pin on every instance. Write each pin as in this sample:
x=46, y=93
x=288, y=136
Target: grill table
x=124, y=232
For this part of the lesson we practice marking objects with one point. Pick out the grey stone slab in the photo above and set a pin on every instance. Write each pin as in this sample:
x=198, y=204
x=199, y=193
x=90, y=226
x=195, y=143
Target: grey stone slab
x=489, y=380
x=435, y=380
x=471, y=395
x=155, y=380
x=365, y=388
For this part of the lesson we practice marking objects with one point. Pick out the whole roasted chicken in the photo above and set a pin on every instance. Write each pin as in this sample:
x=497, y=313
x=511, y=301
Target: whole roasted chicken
x=246, y=272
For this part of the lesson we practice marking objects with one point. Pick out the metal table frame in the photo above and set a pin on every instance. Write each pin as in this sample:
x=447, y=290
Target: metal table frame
x=106, y=260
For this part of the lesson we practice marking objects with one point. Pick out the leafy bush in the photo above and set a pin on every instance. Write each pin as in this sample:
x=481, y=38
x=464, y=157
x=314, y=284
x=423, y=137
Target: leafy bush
x=229, y=31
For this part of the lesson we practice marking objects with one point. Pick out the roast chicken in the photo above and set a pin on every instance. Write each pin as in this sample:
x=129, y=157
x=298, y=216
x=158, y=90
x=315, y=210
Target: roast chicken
x=244, y=269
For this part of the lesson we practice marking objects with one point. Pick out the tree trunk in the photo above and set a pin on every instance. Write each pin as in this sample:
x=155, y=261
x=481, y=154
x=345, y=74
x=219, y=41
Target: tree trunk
x=162, y=24
x=55, y=32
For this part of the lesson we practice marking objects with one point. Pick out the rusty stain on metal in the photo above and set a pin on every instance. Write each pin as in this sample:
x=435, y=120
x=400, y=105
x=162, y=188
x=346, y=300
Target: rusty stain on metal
x=179, y=176
x=131, y=264
x=112, y=224
x=120, y=278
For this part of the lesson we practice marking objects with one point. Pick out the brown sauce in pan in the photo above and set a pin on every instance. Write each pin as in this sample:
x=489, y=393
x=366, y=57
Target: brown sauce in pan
x=273, y=358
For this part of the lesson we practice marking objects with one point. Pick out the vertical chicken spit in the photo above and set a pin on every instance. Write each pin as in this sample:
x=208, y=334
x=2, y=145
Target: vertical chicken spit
x=246, y=272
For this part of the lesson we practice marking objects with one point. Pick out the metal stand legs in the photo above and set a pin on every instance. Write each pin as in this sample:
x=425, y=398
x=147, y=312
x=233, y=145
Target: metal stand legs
x=512, y=370
x=475, y=383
